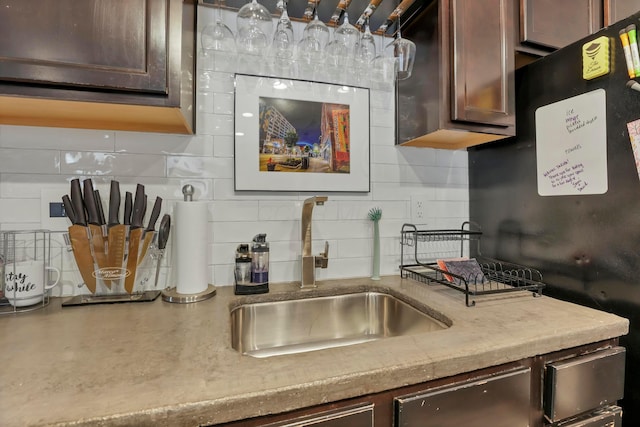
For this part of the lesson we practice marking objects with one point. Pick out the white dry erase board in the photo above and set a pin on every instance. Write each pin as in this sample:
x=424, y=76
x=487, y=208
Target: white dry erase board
x=571, y=146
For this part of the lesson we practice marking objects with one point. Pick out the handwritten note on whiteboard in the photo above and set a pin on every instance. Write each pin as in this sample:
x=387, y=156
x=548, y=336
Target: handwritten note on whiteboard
x=571, y=146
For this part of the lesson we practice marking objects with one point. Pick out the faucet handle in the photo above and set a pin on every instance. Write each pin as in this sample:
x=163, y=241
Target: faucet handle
x=322, y=260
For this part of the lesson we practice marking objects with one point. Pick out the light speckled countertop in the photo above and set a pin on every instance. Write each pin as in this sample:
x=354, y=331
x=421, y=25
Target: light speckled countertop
x=171, y=364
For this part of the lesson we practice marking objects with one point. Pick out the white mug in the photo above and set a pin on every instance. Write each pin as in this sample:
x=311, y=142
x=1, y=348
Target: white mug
x=25, y=282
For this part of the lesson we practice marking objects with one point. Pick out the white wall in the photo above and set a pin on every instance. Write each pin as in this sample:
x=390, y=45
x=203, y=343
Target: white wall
x=36, y=165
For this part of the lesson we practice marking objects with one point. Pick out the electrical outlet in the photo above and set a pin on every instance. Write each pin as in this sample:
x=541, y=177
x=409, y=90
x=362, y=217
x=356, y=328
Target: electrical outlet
x=56, y=210
x=419, y=209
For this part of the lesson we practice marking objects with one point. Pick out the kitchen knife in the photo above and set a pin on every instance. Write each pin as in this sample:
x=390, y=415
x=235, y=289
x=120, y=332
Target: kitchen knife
x=95, y=228
x=116, y=232
x=68, y=208
x=395, y=14
x=106, y=274
x=163, y=237
x=148, y=232
x=79, y=236
x=135, y=235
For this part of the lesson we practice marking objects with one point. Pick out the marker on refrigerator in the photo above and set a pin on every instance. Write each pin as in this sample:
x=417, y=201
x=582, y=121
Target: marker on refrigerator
x=624, y=38
x=632, y=84
x=635, y=55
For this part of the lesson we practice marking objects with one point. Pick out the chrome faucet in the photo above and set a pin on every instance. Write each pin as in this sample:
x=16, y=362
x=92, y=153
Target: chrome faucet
x=311, y=262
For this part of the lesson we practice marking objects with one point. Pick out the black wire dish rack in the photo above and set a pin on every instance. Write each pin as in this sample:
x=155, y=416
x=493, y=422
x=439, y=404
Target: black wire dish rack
x=420, y=251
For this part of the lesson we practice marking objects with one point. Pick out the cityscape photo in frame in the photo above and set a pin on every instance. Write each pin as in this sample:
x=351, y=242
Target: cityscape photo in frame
x=294, y=135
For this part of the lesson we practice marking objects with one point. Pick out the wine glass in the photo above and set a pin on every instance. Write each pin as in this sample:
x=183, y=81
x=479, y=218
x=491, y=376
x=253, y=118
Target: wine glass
x=347, y=34
x=317, y=30
x=283, y=38
x=383, y=68
x=254, y=25
x=311, y=47
x=341, y=49
x=366, y=49
x=404, y=52
x=218, y=36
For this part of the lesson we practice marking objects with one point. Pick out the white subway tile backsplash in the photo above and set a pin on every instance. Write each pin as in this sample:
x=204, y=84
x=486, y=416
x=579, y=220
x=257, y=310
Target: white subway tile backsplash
x=382, y=100
x=46, y=138
x=452, y=158
x=90, y=163
x=242, y=231
x=29, y=185
x=223, y=146
x=223, y=103
x=382, y=136
x=148, y=143
x=222, y=82
x=382, y=118
x=451, y=192
x=29, y=161
x=279, y=210
x=417, y=156
x=354, y=248
x=381, y=172
x=36, y=159
x=233, y=210
x=20, y=211
x=208, y=167
x=204, y=101
x=215, y=124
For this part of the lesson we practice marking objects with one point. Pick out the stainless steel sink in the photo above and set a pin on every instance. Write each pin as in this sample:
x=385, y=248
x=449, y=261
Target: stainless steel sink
x=267, y=329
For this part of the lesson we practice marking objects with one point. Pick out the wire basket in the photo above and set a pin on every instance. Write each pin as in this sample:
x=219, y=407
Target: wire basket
x=26, y=276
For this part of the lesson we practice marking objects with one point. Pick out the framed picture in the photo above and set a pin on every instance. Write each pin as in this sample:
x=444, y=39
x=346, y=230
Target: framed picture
x=294, y=135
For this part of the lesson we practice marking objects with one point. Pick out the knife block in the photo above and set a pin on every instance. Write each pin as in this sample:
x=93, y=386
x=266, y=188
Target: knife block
x=104, y=281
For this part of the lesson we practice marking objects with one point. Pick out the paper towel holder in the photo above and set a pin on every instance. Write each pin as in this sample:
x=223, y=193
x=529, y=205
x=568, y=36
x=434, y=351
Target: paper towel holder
x=172, y=294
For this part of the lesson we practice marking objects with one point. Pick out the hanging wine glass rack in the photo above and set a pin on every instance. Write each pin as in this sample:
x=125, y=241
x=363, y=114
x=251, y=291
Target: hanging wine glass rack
x=421, y=249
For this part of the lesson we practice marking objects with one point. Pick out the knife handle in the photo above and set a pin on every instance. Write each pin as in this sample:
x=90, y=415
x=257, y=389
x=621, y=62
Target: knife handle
x=76, y=201
x=68, y=208
x=155, y=213
x=128, y=207
x=90, y=203
x=114, y=203
x=101, y=218
x=138, y=207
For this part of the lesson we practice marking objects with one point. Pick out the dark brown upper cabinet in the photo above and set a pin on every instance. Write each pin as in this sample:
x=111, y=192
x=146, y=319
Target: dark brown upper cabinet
x=461, y=92
x=553, y=24
x=108, y=64
x=615, y=10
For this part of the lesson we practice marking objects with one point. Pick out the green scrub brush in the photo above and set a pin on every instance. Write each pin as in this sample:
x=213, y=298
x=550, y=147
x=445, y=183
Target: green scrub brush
x=374, y=215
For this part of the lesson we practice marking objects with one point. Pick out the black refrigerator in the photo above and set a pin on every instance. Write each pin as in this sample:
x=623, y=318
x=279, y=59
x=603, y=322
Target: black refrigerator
x=563, y=196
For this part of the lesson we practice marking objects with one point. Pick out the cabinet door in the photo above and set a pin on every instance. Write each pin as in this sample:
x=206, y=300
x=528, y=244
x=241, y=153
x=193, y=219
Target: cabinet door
x=98, y=44
x=353, y=416
x=555, y=24
x=503, y=400
x=616, y=10
x=482, y=62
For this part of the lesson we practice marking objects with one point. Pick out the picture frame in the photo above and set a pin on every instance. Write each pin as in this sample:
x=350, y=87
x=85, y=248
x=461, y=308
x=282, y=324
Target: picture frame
x=298, y=135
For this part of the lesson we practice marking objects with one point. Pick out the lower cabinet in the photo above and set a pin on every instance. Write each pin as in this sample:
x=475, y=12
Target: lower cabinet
x=585, y=388
x=502, y=400
x=577, y=387
x=351, y=416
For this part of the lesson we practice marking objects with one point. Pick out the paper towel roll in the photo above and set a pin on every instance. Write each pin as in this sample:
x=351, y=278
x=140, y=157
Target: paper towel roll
x=191, y=247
